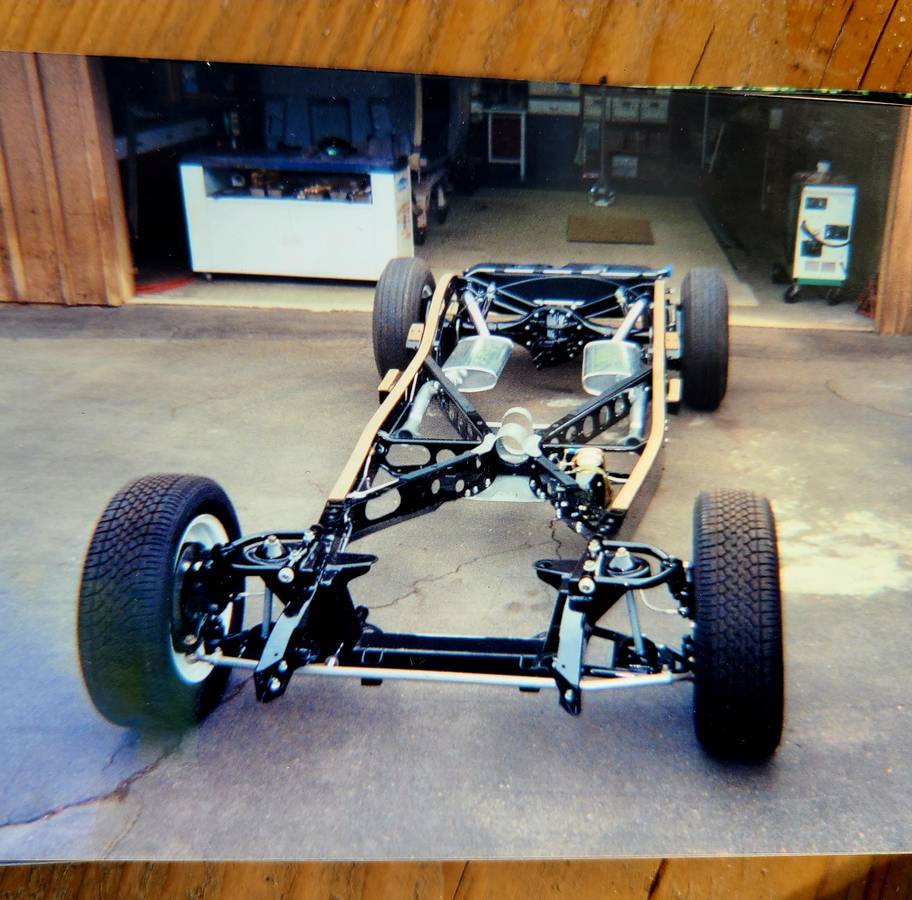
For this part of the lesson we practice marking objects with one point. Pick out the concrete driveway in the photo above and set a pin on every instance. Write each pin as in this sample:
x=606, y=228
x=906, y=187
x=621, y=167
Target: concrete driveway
x=269, y=404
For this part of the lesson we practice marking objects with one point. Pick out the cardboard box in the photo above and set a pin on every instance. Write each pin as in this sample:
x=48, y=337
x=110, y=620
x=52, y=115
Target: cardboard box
x=624, y=165
x=654, y=109
x=625, y=108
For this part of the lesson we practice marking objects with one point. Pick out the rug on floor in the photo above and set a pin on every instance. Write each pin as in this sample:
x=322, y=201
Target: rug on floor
x=608, y=229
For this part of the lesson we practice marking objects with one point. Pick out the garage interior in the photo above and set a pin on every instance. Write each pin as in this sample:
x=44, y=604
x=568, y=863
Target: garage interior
x=708, y=178
x=269, y=400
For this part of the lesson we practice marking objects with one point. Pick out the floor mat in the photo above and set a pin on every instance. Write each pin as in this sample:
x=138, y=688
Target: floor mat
x=609, y=230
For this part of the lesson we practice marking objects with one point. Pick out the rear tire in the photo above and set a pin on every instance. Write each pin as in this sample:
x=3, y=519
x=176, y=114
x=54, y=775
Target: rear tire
x=129, y=624
x=704, y=339
x=738, y=676
x=403, y=292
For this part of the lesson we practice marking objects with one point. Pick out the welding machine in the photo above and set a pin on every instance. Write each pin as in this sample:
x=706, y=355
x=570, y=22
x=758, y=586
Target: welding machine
x=823, y=236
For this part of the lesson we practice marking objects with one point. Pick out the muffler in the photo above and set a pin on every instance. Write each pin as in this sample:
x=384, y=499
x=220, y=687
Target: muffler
x=477, y=362
x=605, y=365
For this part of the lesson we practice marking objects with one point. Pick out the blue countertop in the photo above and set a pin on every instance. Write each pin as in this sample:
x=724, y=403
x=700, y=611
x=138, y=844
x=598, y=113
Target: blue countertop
x=295, y=162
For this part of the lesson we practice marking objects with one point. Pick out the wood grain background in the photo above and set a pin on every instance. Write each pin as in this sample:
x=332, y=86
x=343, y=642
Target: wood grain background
x=865, y=44
x=894, y=292
x=796, y=878
x=848, y=44
x=63, y=233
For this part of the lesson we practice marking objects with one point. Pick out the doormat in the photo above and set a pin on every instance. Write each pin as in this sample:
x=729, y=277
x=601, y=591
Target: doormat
x=609, y=230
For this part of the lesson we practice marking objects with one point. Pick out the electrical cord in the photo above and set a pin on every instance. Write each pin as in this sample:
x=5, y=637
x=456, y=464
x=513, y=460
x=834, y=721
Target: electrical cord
x=806, y=229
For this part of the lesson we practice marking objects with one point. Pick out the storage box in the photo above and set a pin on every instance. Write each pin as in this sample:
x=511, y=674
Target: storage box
x=625, y=108
x=553, y=106
x=592, y=106
x=553, y=89
x=654, y=109
x=624, y=165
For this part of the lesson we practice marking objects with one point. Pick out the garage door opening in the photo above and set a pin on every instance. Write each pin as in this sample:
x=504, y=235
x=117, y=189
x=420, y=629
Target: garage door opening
x=278, y=186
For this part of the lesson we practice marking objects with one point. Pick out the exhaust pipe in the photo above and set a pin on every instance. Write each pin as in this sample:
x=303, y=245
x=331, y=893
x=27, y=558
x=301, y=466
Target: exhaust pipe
x=412, y=424
x=516, y=439
x=638, y=406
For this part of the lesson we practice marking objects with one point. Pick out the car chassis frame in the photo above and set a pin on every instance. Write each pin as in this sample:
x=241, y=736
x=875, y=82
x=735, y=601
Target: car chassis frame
x=320, y=632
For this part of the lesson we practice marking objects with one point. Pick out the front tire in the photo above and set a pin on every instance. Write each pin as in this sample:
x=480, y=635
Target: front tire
x=739, y=693
x=403, y=293
x=704, y=364
x=130, y=626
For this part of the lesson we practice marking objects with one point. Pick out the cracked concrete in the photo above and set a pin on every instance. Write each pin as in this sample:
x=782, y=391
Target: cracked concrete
x=118, y=792
x=129, y=742
x=558, y=543
x=113, y=844
x=337, y=771
x=420, y=583
x=889, y=397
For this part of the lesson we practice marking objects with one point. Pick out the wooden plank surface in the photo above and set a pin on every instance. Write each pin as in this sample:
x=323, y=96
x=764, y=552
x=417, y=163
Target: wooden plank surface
x=893, y=312
x=69, y=179
x=63, y=235
x=12, y=274
x=799, y=43
x=760, y=878
x=624, y=499
x=110, y=217
x=889, y=65
x=33, y=213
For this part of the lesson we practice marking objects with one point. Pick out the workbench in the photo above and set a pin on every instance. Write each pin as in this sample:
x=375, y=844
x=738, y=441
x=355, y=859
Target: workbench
x=297, y=215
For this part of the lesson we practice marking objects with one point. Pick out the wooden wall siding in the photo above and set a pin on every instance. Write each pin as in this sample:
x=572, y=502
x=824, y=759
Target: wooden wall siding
x=63, y=236
x=893, y=314
x=847, y=44
x=33, y=213
x=795, y=878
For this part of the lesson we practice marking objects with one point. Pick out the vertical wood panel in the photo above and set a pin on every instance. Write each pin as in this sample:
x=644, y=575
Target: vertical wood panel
x=23, y=136
x=12, y=275
x=111, y=216
x=68, y=176
x=893, y=314
x=64, y=236
x=51, y=182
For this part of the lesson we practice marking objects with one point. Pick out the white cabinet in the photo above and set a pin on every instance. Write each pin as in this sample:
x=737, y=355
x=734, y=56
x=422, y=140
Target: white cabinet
x=265, y=216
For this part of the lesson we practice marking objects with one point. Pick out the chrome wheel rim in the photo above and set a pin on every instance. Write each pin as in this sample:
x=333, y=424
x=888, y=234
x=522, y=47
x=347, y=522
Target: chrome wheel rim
x=205, y=531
